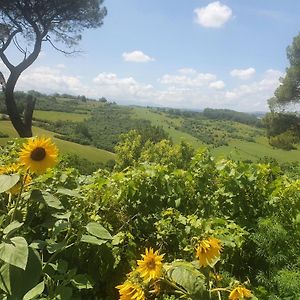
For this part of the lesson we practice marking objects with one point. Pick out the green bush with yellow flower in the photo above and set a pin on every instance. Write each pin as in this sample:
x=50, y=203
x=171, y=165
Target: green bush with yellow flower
x=166, y=223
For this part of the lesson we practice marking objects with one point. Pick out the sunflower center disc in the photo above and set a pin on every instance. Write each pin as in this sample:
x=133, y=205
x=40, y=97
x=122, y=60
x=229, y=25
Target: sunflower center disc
x=151, y=264
x=38, y=154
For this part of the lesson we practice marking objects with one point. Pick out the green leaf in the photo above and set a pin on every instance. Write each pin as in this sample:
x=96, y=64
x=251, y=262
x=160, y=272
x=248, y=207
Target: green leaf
x=54, y=247
x=81, y=282
x=15, y=252
x=60, y=226
x=12, y=227
x=68, y=192
x=34, y=292
x=62, y=216
x=92, y=240
x=17, y=282
x=98, y=231
x=38, y=244
x=52, y=201
x=186, y=275
x=8, y=181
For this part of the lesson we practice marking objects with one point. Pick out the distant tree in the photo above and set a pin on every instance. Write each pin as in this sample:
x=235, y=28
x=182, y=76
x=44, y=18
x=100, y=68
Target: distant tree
x=289, y=90
x=32, y=22
x=282, y=124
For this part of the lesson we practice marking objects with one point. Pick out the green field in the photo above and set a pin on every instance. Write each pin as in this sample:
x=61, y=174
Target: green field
x=58, y=115
x=91, y=153
x=168, y=124
x=237, y=149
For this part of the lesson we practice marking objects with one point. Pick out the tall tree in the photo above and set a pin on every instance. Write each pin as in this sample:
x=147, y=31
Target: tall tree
x=289, y=90
x=31, y=23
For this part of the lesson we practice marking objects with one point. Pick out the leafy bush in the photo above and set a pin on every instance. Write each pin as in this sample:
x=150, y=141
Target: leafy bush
x=285, y=140
x=211, y=229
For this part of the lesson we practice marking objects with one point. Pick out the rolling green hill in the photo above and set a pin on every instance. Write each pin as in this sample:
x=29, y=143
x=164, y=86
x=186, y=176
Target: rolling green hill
x=238, y=147
x=97, y=126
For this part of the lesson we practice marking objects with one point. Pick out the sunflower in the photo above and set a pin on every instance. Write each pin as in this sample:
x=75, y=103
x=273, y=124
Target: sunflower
x=240, y=293
x=15, y=169
x=130, y=291
x=38, y=154
x=208, y=250
x=150, y=266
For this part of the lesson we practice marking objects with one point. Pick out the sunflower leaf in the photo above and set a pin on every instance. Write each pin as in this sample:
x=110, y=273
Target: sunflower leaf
x=98, y=230
x=8, y=181
x=12, y=227
x=52, y=201
x=15, y=252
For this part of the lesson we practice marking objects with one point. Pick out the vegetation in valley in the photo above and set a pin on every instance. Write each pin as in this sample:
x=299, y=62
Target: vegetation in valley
x=100, y=123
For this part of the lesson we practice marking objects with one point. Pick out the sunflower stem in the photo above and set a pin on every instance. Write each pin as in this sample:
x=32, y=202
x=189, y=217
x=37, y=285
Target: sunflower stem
x=19, y=196
x=9, y=200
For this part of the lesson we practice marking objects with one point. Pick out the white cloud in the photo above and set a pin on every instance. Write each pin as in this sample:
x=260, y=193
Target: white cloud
x=193, y=90
x=243, y=74
x=188, y=78
x=218, y=85
x=50, y=80
x=136, y=56
x=254, y=95
x=121, y=89
x=213, y=15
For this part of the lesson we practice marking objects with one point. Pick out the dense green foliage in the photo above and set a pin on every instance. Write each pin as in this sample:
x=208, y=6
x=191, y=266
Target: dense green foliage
x=104, y=126
x=217, y=132
x=283, y=125
x=80, y=235
x=283, y=129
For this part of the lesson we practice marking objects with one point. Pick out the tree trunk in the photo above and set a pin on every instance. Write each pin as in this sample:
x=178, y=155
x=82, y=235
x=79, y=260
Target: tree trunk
x=23, y=128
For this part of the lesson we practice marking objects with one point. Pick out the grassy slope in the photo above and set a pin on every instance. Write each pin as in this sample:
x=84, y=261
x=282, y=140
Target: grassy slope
x=168, y=124
x=88, y=152
x=57, y=115
x=237, y=149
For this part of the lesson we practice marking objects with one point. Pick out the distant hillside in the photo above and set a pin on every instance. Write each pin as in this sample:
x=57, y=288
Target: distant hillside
x=98, y=124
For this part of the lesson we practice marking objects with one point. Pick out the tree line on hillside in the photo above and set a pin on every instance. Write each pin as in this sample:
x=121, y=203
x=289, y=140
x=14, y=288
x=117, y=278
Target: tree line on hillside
x=232, y=115
x=217, y=114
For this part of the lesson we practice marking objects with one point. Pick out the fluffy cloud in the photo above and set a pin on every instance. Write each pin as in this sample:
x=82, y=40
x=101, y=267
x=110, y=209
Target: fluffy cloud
x=213, y=15
x=136, y=56
x=254, y=95
x=183, y=89
x=243, y=74
x=187, y=78
x=50, y=80
x=122, y=89
x=218, y=85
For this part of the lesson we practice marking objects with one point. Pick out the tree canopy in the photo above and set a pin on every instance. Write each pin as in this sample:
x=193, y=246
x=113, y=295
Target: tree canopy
x=289, y=90
x=26, y=24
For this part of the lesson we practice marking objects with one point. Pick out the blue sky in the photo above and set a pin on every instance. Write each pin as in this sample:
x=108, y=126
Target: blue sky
x=184, y=54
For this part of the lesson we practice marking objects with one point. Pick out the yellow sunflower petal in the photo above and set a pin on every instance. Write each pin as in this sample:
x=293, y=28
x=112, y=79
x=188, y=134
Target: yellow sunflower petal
x=38, y=154
x=150, y=267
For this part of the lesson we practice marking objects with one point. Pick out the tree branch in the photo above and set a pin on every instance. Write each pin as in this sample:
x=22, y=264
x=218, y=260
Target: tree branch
x=48, y=39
